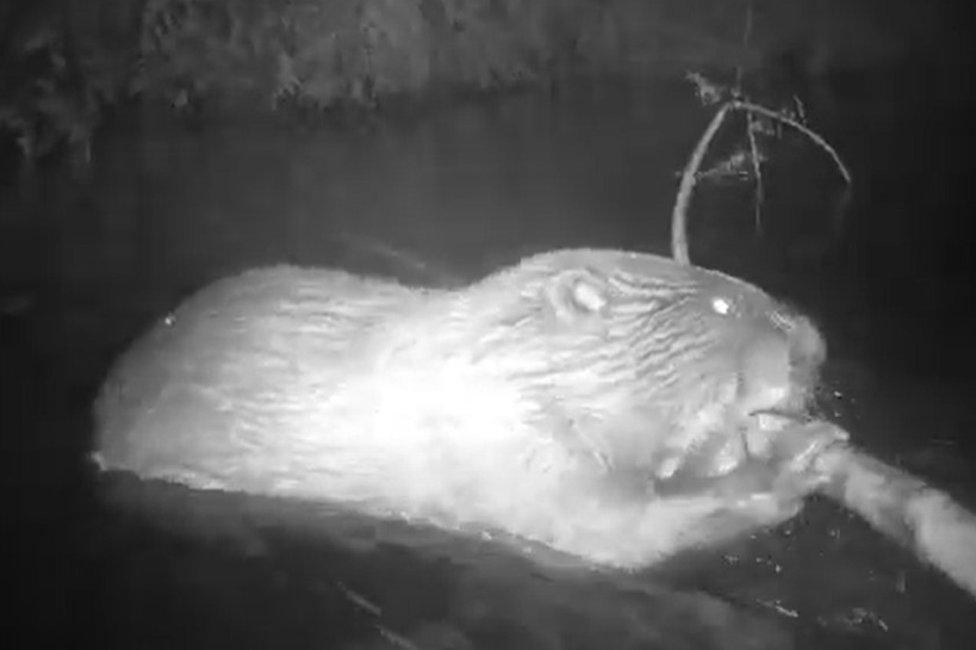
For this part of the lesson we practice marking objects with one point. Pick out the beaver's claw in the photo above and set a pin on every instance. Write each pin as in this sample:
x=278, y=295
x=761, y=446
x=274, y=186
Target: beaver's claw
x=798, y=446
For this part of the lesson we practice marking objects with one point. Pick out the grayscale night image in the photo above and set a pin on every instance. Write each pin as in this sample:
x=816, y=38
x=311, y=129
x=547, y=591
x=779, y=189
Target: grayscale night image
x=488, y=324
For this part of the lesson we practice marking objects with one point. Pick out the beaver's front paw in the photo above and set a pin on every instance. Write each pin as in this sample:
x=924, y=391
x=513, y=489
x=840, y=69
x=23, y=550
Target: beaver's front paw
x=784, y=439
x=785, y=470
x=794, y=451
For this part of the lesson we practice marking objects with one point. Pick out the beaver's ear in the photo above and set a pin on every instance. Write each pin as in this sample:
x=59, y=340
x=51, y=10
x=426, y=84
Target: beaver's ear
x=579, y=295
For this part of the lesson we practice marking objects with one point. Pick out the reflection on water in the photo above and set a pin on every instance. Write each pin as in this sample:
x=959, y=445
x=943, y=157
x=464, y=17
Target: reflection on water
x=85, y=266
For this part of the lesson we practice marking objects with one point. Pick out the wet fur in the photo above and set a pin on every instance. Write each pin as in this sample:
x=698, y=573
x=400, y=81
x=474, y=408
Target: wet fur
x=550, y=400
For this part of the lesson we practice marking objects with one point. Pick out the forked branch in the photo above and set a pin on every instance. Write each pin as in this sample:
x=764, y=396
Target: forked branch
x=679, y=216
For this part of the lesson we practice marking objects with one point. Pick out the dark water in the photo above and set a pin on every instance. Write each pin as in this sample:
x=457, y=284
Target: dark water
x=87, y=262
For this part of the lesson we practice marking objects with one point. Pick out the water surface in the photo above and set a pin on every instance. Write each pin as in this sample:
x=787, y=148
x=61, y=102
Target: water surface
x=87, y=263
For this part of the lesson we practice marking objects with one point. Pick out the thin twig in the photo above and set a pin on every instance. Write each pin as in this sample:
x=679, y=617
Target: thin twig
x=757, y=172
x=759, y=198
x=746, y=37
x=805, y=130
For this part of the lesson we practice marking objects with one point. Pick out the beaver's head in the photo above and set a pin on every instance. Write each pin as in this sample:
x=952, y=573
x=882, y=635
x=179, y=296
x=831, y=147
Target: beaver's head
x=643, y=361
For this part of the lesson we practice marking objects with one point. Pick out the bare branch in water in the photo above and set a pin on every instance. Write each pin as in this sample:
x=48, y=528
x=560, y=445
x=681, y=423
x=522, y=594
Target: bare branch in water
x=679, y=215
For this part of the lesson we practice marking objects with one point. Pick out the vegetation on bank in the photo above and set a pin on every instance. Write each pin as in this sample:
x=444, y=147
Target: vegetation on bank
x=64, y=63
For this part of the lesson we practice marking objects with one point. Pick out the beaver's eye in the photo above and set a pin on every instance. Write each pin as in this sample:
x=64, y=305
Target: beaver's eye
x=589, y=297
x=722, y=306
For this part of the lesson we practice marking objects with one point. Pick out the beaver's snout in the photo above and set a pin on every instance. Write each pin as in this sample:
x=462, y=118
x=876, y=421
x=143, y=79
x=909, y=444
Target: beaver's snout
x=779, y=369
x=776, y=362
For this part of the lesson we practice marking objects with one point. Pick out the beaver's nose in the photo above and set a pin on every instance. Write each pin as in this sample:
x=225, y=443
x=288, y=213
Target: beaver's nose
x=764, y=375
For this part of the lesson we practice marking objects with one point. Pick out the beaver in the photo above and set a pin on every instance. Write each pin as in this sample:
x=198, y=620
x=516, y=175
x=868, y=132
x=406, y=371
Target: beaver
x=555, y=399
